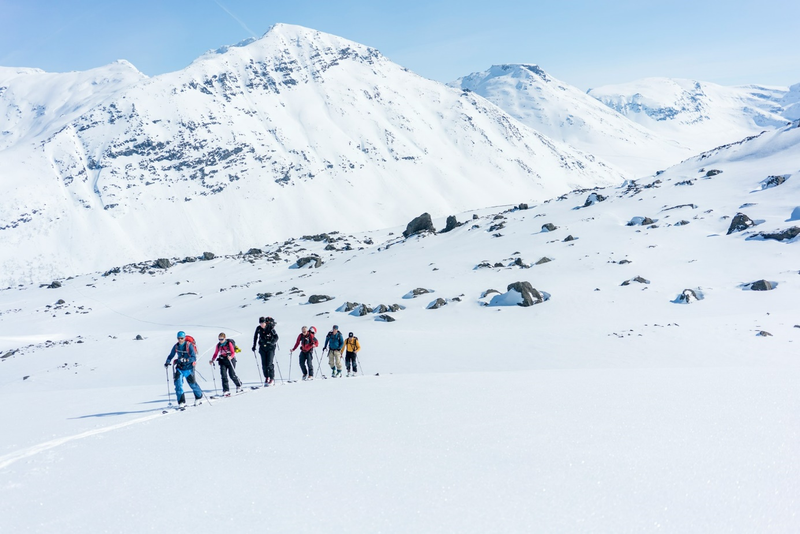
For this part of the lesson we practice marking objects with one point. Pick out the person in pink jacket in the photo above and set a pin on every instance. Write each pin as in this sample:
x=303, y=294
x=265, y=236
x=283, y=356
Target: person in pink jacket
x=226, y=352
x=307, y=341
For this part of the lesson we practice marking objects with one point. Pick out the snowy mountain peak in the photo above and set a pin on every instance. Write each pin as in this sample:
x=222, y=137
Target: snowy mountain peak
x=566, y=113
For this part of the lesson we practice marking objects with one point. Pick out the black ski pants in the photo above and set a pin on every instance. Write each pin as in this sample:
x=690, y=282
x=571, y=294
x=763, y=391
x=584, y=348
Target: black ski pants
x=307, y=359
x=350, y=358
x=267, y=358
x=227, y=367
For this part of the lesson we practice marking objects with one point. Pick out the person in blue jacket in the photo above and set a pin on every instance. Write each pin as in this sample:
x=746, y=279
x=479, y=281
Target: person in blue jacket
x=185, y=359
x=334, y=342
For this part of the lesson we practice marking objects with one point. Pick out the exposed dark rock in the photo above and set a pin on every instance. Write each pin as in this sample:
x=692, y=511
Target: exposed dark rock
x=381, y=308
x=264, y=296
x=740, y=222
x=498, y=264
x=762, y=285
x=488, y=292
x=635, y=279
x=713, y=172
x=254, y=252
x=452, y=224
x=530, y=295
x=138, y=338
x=302, y=262
x=764, y=333
x=592, y=199
x=543, y=260
x=189, y=259
x=115, y=270
x=61, y=301
x=549, y=227
x=569, y=238
x=789, y=233
x=385, y=318
x=396, y=308
x=682, y=223
x=362, y=310
x=475, y=216
x=208, y=256
x=350, y=306
x=163, y=263
x=522, y=206
x=55, y=284
x=423, y=223
x=687, y=296
x=624, y=262
x=436, y=304
x=483, y=265
x=419, y=291
x=519, y=263
x=774, y=181
x=640, y=221
x=316, y=299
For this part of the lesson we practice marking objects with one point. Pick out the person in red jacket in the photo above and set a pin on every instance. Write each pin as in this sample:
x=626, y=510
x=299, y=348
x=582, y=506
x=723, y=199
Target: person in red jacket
x=227, y=363
x=307, y=341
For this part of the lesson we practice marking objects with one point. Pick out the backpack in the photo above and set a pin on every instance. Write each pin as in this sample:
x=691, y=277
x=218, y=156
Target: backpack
x=236, y=348
x=190, y=339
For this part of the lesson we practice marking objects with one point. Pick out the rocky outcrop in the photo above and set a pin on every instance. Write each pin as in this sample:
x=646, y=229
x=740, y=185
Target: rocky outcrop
x=740, y=222
x=436, y=304
x=593, y=199
x=530, y=295
x=316, y=299
x=162, y=263
x=549, y=227
x=420, y=224
x=451, y=224
x=314, y=259
x=762, y=285
x=784, y=235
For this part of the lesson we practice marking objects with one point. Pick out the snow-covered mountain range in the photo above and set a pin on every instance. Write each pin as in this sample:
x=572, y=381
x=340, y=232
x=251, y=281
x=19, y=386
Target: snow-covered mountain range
x=565, y=113
x=702, y=115
x=295, y=132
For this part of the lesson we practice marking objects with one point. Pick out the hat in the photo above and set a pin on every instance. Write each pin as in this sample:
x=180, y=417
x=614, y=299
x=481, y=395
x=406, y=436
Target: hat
x=313, y=329
x=262, y=319
x=181, y=334
x=336, y=327
x=350, y=334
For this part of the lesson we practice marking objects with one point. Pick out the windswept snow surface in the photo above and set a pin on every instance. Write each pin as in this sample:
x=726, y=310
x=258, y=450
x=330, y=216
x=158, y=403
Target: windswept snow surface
x=701, y=115
x=292, y=133
x=563, y=112
x=607, y=408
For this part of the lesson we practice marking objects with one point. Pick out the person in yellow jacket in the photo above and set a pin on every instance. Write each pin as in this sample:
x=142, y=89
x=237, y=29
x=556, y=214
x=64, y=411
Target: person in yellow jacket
x=351, y=347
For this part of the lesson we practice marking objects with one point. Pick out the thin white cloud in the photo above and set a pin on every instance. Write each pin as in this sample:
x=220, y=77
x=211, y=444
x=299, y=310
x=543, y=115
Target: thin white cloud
x=237, y=19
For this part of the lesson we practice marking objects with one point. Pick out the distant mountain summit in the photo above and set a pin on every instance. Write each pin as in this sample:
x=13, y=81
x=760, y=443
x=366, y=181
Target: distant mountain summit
x=296, y=132
x=701, y=115
x=563, y=112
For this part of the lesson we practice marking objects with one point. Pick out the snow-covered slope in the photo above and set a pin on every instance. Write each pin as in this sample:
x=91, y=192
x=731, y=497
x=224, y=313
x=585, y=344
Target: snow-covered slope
x=566, y=113
x=610, y=407
x=701, y=115
x=296, y=132
x=35, y=104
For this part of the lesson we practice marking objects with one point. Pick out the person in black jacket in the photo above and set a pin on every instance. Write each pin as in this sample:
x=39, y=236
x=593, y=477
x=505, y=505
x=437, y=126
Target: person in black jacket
x=266, y=338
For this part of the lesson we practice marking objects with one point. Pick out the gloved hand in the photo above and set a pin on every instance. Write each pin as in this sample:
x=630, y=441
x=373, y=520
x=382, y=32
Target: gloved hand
x=254, y=348
x=166, y=365
x=211, y=362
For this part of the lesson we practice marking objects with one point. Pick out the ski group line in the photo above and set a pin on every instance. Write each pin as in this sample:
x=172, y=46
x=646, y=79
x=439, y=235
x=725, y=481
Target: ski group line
x=184, y=354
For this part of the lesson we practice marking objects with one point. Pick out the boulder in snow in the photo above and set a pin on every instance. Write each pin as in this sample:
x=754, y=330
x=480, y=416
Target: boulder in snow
x=740, y=222
x=763, y=285
x=436, y=304
x=593, y=199
x=774, y=181
x=420, y=224
x=162, y=263
x=519, y=294
x=313, y=261
x=414, y=293
x=451, y=224
x=316, y=299
x=549, y=227
x=783, y=235
x=385, y=318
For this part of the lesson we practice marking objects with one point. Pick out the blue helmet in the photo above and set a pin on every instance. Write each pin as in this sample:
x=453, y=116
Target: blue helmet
x=181, y=334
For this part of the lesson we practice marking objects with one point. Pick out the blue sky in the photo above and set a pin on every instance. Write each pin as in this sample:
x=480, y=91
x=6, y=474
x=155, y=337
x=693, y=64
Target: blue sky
x=584, y=43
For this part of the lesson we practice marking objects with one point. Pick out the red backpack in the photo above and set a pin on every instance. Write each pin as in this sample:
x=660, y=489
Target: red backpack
x=190, y=340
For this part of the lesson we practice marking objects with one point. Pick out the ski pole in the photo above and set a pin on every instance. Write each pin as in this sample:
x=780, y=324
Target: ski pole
x=261, y=382
x=213, y=376
x=290, y=366
x=359, y=365
x=279, y=368
x=169, y=391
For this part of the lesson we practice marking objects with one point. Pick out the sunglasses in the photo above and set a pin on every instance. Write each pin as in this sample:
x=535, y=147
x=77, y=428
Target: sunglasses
x=222, y=339
x=181, y=338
